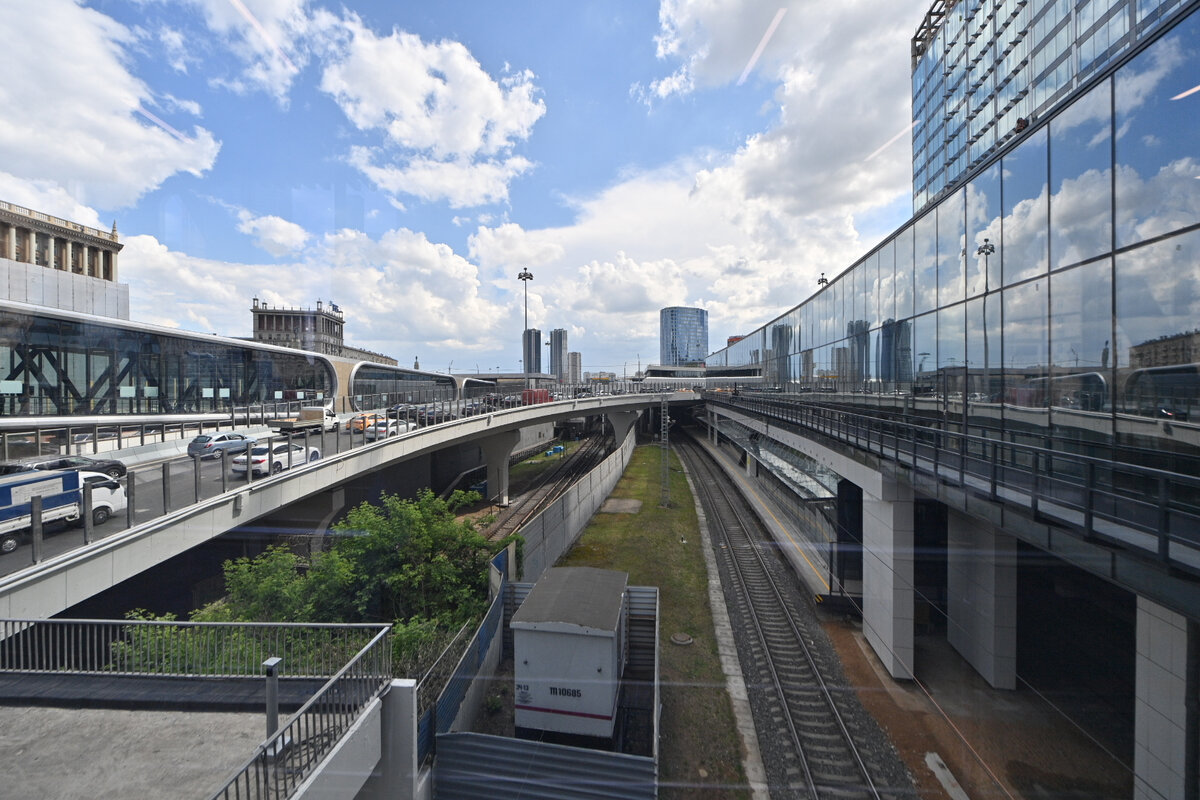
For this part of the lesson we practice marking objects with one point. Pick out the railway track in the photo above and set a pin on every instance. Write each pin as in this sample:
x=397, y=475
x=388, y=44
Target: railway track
x=808, y=729
x=549, y=486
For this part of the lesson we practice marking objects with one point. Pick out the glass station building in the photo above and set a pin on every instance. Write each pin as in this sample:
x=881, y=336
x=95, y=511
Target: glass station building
x=56, y=363
x=1052, y=299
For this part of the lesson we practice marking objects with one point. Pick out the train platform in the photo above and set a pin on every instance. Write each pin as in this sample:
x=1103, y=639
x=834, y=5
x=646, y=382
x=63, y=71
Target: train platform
x=959, y=737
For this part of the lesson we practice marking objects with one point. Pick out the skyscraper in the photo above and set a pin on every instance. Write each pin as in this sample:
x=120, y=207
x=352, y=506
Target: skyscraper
x=574, y=368
x=682, y=336
x=531, y=351
x=558, y=353
x=982, y=70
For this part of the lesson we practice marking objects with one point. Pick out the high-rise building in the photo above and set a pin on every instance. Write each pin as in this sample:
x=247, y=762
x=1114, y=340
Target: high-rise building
x=574, y=367
x=983, y=70
x=531, y=351
x=682, y=336
x=558, y=353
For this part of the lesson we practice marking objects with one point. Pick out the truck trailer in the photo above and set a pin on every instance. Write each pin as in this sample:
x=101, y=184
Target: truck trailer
x=62, y=500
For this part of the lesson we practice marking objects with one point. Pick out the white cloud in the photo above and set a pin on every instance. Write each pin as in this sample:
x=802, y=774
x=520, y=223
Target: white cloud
x=47, y=197
x=81, y=124
x=274, y=234
x=401, y=292
x=269, y=37
x=449, y=127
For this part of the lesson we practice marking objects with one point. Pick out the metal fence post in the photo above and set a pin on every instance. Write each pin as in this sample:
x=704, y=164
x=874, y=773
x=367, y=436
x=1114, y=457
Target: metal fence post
x=225, y=468
x=87, y=512
x=196, y=476
x=129, y=501
x=166, y=487
x=35, y=515
x=271, y=668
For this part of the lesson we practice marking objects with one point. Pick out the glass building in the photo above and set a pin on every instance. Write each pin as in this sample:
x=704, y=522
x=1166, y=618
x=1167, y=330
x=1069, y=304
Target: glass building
x=1053, y=299
x=531, y=351
x=58, y=363
x=983, y=70
x=682, y=336
x=558, y=353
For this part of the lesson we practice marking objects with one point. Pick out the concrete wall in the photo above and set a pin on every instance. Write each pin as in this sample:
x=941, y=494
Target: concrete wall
x=982, y=589
x=42, y=286
x=551, y=533
x=342, y=773
x=888, y=577
x=1160, y=717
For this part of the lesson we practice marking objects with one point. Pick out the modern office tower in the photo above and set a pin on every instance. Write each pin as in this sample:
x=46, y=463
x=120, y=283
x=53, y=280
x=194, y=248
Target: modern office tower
x=55, y=263
x=682, y=336
x=574, y=367
x=531, y=351
x=983, y=70
x=558, y=353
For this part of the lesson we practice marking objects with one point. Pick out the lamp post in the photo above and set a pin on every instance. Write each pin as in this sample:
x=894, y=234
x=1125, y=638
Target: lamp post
x=525, y=276
x=986, y=249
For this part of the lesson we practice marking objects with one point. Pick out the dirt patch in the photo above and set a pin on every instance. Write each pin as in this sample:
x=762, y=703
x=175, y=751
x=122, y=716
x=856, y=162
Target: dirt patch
x=994, y=742
x=621, y=505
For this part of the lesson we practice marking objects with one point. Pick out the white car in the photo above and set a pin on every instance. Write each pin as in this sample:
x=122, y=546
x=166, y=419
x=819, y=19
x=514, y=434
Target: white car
x=108, y=496
x=279, y=459
x=391, y=427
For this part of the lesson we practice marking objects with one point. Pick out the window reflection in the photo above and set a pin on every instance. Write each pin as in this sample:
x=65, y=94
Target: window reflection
x=983, y=226
x=925, y=263
x=1081, y=179
x=1158, y=153
x=1025, y=356
x=951, y=250
x=1024, y=203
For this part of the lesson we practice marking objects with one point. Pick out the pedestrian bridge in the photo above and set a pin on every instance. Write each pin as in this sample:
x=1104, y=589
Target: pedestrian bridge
x=49, y=587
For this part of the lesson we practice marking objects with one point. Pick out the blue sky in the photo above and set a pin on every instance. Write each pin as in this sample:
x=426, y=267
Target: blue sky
x=405, y=160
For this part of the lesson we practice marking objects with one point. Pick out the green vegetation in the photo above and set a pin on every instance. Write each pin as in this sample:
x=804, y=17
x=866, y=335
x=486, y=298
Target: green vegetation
x=700, y=750
x=406, y=562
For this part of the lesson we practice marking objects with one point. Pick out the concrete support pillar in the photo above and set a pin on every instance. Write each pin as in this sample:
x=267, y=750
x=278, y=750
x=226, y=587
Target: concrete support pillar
x=621, y=421
x=50, y=248
x=27, y=242
x=497, y=450
x=1162, y=715
x=888, y=577
x=69, y=255
x=398, y=768
x=981, y=582
x=10, y=242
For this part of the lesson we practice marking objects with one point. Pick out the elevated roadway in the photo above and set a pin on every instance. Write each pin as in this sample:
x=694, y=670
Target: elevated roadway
x=51, y=586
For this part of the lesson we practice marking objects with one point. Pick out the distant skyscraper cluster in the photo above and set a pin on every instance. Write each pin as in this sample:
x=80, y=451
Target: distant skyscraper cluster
x=682, y=336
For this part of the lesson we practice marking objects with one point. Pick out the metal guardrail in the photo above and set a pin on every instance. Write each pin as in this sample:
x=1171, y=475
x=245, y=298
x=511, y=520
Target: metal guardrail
x=177, y=649
x=1095, y=496
x=286, y=759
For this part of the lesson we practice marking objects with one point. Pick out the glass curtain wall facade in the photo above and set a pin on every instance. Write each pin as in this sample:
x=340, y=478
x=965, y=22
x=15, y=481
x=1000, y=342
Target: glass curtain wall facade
x=682, y=336
x=558, y=353
x=1052, y=300
x=59, y=366
x=984, y=69
x=400, y=385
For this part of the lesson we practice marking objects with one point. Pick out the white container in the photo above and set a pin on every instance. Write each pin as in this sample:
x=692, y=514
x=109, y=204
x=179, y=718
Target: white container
x=569, y=651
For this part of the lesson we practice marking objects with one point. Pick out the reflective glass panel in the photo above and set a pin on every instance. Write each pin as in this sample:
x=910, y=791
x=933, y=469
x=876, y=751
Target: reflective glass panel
x=1157, y=349
x=1024, y=202
x=1025, y=344
x=925, y=263
x=983, y=232
x=1158, y=152
x=1080, y=334
x=1081, y=179
x=951, y=351
x=924, y=355
x=904, y=274
x=951, y=246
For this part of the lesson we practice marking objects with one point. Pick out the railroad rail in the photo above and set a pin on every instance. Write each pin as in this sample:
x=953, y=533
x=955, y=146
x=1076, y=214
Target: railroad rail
x=806, y=728
x=548, y=487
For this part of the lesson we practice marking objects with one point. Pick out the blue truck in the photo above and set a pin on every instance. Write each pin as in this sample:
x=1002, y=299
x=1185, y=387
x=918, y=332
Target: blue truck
x=62, y=500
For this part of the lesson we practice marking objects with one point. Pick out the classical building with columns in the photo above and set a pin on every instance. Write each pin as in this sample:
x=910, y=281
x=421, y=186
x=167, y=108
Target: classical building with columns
x=53, y=262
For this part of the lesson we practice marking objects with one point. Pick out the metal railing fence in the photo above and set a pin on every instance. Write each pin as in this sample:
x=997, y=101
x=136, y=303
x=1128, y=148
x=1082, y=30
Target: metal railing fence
x=1096, y=496
x=286, y=759
x=178, y=649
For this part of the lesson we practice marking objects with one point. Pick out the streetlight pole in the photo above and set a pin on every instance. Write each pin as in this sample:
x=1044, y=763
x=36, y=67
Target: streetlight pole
x=986, y=249
x=525, y=276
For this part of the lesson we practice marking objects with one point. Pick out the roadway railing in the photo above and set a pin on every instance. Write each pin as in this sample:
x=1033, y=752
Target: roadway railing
x=1119, y=503
x=286, y=759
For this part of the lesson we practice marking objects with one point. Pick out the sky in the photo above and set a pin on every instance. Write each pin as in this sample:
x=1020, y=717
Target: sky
x=406, y=160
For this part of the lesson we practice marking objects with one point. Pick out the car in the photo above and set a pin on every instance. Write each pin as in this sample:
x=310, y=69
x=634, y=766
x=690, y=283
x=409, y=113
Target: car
x=108, y=496
x=281, y=457
x=109, y=466
x=210, y=445
x=382, y=430
x=360, y=422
